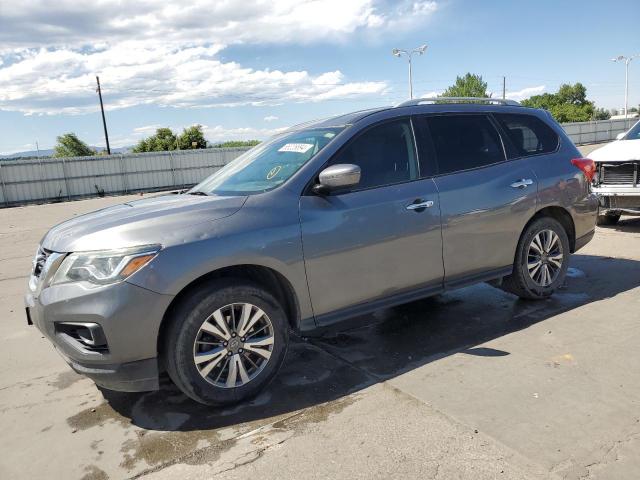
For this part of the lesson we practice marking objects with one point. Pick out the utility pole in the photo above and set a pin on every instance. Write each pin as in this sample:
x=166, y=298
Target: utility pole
x=104, y=121
x=38, y=148
x=504, y=87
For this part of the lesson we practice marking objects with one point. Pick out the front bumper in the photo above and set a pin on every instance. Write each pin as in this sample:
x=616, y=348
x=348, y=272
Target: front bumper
x=127, y=319
x=618, y=199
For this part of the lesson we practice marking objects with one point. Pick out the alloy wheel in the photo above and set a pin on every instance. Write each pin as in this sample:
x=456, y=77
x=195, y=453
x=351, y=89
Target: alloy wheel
x=544, y=258
x=233, y=345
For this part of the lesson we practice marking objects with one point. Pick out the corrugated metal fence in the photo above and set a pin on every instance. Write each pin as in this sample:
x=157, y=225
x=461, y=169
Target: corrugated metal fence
x=596, y=132
x=58, y=179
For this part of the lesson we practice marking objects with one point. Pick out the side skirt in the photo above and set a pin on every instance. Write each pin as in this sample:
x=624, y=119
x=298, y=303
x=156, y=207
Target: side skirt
x=350, y=317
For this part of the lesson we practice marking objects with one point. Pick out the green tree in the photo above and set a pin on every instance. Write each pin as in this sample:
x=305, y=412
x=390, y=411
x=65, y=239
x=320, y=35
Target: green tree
x=470, y=85
x=601, y=114
x=192, y=137
x=569, y=104
x=164, y=139
x=69, y=145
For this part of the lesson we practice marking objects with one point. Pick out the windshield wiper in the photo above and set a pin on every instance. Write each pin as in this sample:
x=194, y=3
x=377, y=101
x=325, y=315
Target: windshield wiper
x=198, y=192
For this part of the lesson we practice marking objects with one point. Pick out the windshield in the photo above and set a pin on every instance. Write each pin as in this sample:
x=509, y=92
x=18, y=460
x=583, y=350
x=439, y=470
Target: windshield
x=269, y=164
x=634, y=133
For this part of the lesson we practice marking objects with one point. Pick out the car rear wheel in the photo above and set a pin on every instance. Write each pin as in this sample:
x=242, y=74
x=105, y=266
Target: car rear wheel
x=225, y=342
x=541, y=260
x=608, y=219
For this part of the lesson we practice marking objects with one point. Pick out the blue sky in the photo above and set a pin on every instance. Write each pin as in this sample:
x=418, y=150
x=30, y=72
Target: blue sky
x=246, y=69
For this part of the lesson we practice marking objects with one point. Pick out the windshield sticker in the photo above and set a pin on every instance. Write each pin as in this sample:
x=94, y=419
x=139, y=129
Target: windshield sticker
x=273, y=172
x=296, y=147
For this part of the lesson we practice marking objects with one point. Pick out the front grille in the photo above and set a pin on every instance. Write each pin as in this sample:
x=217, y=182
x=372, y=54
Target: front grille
x=624, y=202
x=619, y=174
x=40, y=260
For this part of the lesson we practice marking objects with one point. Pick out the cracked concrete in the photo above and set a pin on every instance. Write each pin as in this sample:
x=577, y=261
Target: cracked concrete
x=471, y=385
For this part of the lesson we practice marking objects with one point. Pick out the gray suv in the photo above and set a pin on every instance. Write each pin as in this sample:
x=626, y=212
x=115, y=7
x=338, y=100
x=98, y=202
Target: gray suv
x=328, y=220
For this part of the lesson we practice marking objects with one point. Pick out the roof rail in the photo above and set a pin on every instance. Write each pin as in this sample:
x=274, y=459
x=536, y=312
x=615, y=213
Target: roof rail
x=420, y=101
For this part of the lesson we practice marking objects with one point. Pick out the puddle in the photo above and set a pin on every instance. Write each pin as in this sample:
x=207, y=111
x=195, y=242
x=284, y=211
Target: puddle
x=66, y=379
x=316, y=414
x=94, y=473
x=301, y=377
x=343, y=340
x=194, y=447
x=97, y=416
x=575, y=273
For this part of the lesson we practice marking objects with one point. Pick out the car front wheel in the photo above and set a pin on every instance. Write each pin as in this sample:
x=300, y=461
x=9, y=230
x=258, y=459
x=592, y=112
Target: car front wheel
x=225, y=342
x=541, y=260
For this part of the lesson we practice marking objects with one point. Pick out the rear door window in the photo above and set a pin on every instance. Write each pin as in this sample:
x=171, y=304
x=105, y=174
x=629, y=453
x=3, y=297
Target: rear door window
x=463, y=142
x=528, y=134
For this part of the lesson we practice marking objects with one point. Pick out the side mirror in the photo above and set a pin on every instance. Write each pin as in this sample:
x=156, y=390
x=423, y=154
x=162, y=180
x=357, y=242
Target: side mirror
x=620, y=136
x=337, y=177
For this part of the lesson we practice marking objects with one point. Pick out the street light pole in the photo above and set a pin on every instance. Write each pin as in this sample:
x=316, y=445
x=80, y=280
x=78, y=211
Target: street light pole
x=626, y=60
x=410, y=79
x=398, y=53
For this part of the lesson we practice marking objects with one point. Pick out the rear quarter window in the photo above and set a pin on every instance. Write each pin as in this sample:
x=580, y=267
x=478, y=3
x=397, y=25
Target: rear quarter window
x=528, y=134
x=464, y=142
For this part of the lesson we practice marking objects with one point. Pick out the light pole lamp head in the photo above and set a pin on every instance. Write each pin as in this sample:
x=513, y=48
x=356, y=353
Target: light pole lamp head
x=396, y=52
x=421, y=49
x=619, y=58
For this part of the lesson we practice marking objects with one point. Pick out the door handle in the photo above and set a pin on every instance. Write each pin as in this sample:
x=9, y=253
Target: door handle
x=420, y=205
x=522, y=183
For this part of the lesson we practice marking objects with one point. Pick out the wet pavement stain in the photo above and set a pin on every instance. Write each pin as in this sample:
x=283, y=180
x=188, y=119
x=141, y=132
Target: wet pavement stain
x=315, y=414
x=94, y=473
x=159, y=448
x=65, y=380
x=96, y=416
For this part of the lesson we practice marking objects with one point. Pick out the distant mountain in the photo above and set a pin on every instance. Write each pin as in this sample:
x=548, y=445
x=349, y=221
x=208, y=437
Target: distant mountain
x=49, y=153
x=29, y=153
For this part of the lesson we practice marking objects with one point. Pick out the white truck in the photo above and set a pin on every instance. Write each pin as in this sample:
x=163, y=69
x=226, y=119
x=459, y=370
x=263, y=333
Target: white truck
x=617, y=178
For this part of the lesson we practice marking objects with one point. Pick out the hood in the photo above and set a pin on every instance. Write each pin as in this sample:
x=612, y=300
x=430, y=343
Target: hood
x=618, y=151
x=158, y=220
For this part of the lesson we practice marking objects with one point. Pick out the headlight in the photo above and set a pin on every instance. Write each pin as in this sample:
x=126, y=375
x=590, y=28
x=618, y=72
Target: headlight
x=105, y=266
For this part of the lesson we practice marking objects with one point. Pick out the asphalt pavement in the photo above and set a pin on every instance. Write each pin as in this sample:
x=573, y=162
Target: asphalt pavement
x=472, y=384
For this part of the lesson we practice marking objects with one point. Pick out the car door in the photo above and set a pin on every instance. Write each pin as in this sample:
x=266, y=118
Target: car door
x=485, y=199
x=380, y=239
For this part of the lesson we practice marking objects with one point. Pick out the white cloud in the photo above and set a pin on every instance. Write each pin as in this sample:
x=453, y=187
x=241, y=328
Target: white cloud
x=219, y=133
x=146, y=130
x=270, y=118
x=33, y=23
x=525, y=92
x=168, y=54
x=139, y=73
x=213, y=134
x=511, y=95
x=432, y=94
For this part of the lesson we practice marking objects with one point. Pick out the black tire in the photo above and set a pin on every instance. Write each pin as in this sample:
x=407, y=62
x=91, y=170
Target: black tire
x=520, y=282
x=185, y=322
x=608, y=219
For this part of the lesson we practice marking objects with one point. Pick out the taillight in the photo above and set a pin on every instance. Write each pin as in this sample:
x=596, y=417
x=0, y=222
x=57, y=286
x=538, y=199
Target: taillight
x=587, y=166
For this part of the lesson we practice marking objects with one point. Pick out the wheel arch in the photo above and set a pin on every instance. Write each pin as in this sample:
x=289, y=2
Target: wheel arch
x=268, y=278
x=560, y=214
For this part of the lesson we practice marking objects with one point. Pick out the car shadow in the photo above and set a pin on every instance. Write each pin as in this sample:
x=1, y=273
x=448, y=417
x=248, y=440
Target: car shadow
x=390, y=343
x=625, y=224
